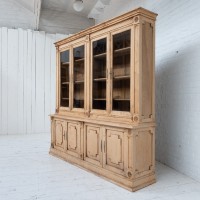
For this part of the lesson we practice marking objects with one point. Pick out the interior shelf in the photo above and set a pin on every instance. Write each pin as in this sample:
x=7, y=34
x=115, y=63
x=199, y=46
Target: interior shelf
x=100, y=55
x=65, y=63
x=122, y=51
x=122, y=77
x=79, y=60
x=65, y=98
x=99, y=79
x=99, y=99
x=81, y=81
x=121, y=99
x=65, y=83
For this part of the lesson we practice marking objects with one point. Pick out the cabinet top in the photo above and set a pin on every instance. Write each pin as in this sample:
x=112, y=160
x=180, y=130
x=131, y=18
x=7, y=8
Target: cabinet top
x=98, y=27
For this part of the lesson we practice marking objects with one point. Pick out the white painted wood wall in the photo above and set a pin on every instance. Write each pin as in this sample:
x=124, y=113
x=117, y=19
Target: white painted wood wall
x=27, y=80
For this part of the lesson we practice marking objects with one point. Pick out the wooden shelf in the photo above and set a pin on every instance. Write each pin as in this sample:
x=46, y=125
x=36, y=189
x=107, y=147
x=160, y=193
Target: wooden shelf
x=78, y=99
x=65, y=83
x=65, y=63
x=82, y=81
x=121, y=99
x=79, y=60
x=65, y=98
x=100, y=55
x=99, y=99
x=121, y=77
x=122, y=51
x=99, y=79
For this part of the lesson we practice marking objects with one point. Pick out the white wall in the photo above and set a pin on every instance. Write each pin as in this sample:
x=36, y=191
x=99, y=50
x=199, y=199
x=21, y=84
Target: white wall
x=177, y=79
x=27, y=80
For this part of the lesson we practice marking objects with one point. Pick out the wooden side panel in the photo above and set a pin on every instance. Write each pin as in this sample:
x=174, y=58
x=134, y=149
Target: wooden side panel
x=147, y=70
x=93, y=144
x=74, y=139
x=144, y=150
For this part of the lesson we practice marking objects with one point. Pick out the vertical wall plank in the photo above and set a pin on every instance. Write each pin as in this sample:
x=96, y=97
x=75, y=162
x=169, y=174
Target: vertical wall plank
x=0, y=81
x=20, y=114
x=25, y=62
x=12, y=80
x=28, y=82
x=4, y=80
x=53, y=75
x=40, y=44
x=33, y=84
x=47, y=70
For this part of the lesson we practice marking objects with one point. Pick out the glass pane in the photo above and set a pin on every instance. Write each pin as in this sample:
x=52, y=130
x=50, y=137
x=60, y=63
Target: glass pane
x=121, y=71
x=99, y=74
x=64, y=77
x=78, y=55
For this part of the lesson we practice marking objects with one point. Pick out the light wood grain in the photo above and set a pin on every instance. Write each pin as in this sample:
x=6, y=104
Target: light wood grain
x=116, y=141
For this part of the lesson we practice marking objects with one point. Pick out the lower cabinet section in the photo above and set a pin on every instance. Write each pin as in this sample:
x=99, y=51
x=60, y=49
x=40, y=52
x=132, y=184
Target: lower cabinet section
x=124, y=156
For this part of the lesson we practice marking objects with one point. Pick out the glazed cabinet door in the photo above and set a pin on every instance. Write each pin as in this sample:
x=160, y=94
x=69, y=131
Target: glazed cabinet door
x=99, y=74
x=115, y=150
x=64, y=80
x=59, y=130
x=78, y=77
x=73, y=139
x=93, y=145
x=122, y=71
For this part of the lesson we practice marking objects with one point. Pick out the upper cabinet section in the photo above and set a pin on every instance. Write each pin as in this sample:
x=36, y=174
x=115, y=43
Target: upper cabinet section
x=107, y=71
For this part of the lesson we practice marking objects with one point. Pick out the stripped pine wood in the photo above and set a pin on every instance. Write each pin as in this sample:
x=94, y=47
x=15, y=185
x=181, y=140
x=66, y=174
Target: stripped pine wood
x=113, y=134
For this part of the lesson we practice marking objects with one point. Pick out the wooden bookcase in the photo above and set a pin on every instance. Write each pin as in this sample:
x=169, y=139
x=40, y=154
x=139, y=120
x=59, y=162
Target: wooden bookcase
x=105, y=101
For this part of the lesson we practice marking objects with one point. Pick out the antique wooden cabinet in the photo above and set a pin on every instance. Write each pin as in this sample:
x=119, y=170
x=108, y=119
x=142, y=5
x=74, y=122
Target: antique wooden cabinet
x=105, y=113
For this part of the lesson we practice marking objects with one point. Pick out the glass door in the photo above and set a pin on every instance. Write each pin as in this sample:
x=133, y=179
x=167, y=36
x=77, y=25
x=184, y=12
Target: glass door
x=121, y=71
x=99, y=74
x=79, y=71
x=64, y=78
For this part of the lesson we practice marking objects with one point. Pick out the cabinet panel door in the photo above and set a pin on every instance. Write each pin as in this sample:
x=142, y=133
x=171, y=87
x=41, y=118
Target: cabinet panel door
x=59, y=134
x=74, y=139
x=93, y=145
x=115, y=150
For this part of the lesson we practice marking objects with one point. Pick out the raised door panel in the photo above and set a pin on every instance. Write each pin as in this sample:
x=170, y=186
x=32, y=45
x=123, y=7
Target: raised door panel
x=74, y=139
x=115, y=151
x=93, y=145
x=59, y=137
